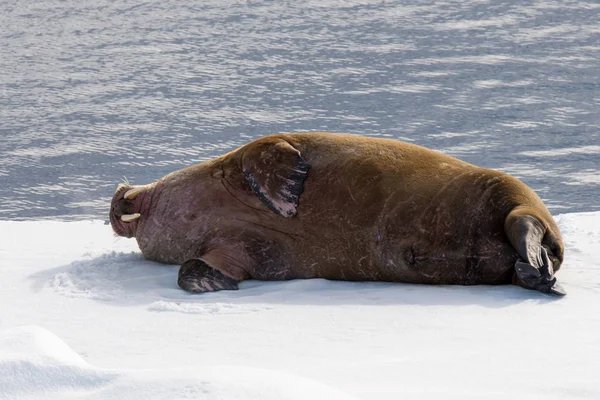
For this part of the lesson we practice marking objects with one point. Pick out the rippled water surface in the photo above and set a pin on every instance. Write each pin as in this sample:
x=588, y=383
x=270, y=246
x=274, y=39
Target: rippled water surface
x=91, y=91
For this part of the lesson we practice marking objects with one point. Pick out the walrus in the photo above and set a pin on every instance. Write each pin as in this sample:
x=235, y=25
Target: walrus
x=342, y=207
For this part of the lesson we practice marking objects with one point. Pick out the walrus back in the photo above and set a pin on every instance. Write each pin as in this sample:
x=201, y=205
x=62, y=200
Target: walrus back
x=411, y=214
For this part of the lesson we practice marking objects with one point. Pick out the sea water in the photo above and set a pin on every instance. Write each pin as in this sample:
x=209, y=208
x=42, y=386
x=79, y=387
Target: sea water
x=94, y=91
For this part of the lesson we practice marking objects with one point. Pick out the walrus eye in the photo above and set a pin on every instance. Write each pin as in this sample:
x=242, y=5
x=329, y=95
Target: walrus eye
x=409, y=254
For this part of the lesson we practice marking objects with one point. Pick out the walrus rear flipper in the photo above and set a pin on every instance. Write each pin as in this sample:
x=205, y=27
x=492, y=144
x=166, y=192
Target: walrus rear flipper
x=197, y=276
x=276, y=172
x=534, y=270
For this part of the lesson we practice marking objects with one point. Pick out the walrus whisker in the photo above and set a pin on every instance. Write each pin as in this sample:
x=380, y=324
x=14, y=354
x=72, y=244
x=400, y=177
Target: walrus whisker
x=125, y=180
x=130, y=217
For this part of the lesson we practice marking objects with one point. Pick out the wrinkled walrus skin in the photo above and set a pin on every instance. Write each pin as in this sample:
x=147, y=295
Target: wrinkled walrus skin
x=342, y=207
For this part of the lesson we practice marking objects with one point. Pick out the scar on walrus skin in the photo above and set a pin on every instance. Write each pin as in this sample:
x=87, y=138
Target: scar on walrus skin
x=343, y=207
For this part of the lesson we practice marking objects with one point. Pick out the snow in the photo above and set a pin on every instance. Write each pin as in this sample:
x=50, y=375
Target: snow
x=84, y=316
x=37, y=364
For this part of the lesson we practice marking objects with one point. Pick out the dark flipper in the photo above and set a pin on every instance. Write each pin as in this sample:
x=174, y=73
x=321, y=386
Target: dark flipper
x=556, y=289
x=541, y=279
x=276, y=172
x=196, y=276
x=534, y=269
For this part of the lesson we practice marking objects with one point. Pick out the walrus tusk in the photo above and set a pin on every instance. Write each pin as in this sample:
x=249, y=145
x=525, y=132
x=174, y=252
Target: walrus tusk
x=131, y=194
x=130, y=217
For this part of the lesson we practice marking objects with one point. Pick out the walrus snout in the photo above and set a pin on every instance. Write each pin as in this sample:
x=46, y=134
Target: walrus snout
x=123, y=210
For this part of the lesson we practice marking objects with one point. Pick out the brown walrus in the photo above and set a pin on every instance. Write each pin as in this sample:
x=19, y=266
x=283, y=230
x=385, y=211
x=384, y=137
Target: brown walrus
x=343, y=207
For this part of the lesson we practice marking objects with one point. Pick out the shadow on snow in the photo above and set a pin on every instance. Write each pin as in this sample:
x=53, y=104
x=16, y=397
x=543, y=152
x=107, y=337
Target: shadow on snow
x=129, y=279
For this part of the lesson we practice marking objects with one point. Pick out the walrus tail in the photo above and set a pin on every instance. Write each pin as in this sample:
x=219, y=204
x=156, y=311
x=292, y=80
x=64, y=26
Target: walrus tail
x=539, y=247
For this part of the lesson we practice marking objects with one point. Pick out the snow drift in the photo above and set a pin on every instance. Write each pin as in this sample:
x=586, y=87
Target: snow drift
x=37, y=364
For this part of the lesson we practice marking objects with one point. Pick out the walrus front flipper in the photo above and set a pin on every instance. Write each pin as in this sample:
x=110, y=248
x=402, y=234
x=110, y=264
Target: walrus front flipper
x=534, y=270
x=196, y=276
x=276, y=172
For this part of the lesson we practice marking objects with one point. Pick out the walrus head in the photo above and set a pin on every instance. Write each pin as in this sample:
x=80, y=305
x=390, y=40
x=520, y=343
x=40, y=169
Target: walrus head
x=126, y=208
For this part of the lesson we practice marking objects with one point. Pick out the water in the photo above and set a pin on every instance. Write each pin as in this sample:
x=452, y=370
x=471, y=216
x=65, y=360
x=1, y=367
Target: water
x=91, y=91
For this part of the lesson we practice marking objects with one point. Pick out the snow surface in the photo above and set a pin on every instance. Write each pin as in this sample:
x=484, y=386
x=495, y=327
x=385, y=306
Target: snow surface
x=84, y=316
